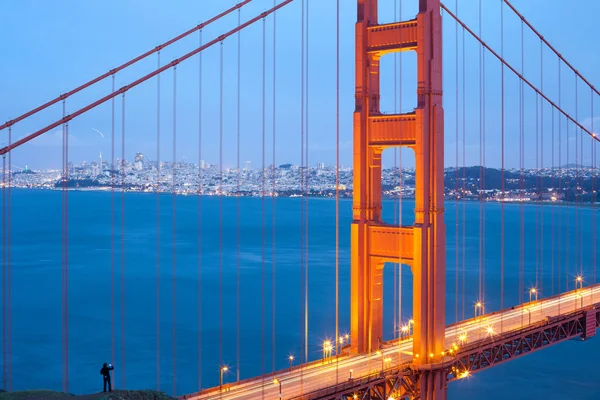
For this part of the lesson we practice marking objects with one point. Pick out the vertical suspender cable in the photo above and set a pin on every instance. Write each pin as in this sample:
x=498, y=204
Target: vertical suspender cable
x=8, y=218
x=62, y=246
x=262, y=193
x=568, y=199
x=4, y=281
x=5, y=359
x=400, y=181
x=502, y=216
x=481, y=170
x=66, y=284
x=113, y=169
x=553, y=208
x=594, y=220
x=273, y=194
x=158, y=226
x=537, y=189
x=456, y=177
x=483, y=177
x=9, y=264
x=558, y=241
x=123, y=244
x=221, y=204
x=174, y=234
x=306, y=187
x=7, y=271
x=66, y=261
x=303, y=326
x=575, y=194
x=464, y=188
x=200, y=193
x=541, y=287
x=578, y=241
x=65, y=327
x=396, y=323
x=337, y=180
x=239, y=203
x=521, y=166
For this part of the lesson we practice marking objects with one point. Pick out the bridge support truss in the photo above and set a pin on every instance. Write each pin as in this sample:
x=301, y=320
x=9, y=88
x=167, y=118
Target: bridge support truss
x=407, y=382
x=421, y=246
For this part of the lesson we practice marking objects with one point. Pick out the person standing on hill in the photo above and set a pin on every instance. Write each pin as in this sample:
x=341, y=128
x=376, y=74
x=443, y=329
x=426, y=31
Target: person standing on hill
x=105, y=372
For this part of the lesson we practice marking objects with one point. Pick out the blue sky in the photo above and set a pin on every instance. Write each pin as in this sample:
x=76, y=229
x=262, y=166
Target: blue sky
x=51, y=47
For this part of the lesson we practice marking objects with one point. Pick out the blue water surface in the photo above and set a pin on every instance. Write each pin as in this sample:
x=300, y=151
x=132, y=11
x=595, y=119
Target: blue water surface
x=198, y=331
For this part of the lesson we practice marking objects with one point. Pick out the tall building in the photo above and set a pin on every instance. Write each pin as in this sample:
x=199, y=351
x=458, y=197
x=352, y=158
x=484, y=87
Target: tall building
x=247, y=165
x=139, y=162
x=202, y=164
x=320, y=165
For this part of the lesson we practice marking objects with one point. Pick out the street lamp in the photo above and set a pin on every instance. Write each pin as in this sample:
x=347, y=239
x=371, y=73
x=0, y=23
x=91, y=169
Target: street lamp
x=326, y=349
x=291, y=359
x=278, y=382
x=477, y=306
x=221, y=370
x=404, y=331
x=579, y=282
x=532, y=292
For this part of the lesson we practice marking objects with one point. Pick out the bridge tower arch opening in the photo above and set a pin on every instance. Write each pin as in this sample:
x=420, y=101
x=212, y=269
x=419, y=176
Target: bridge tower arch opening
x=373, y=243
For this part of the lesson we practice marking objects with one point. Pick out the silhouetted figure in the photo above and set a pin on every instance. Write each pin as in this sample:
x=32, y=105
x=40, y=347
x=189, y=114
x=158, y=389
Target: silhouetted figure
x=105, y=372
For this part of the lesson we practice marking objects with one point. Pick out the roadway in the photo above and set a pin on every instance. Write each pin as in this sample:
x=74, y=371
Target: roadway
x=327, y=373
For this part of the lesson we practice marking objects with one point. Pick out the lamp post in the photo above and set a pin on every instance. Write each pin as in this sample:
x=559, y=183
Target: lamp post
x=579, y=282
x=404, y=331
x=477, y=306
x=291, y=360
x=221, y=370
x=327, y=347
x=278, y=382
x=532, y=292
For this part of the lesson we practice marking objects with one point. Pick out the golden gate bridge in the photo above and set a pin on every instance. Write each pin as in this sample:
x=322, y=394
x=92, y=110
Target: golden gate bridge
x=425, y=353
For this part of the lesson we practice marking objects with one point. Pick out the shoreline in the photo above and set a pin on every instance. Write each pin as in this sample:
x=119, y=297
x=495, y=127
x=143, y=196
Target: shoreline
x=345, y=197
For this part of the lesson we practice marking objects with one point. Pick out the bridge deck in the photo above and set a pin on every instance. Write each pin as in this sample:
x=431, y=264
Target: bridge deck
x=313, y=377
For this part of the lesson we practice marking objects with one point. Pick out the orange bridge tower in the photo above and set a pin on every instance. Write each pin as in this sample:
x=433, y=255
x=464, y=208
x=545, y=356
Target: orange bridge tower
x=422, y=246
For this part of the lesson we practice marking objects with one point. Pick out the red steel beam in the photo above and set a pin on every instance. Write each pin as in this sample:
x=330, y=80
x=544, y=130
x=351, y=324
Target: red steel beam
x=551, y=47
x=125, y=88
x=503, y=61
x=121, y=67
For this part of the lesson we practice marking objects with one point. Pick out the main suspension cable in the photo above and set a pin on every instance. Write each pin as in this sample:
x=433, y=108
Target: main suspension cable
x=113, y=71
x=150, y=75
x=521, y=77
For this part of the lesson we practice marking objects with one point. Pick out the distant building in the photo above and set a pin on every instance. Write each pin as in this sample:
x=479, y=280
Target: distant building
x=247, y=165
x=202, y=164
x=138, y=164
x=320, y=165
